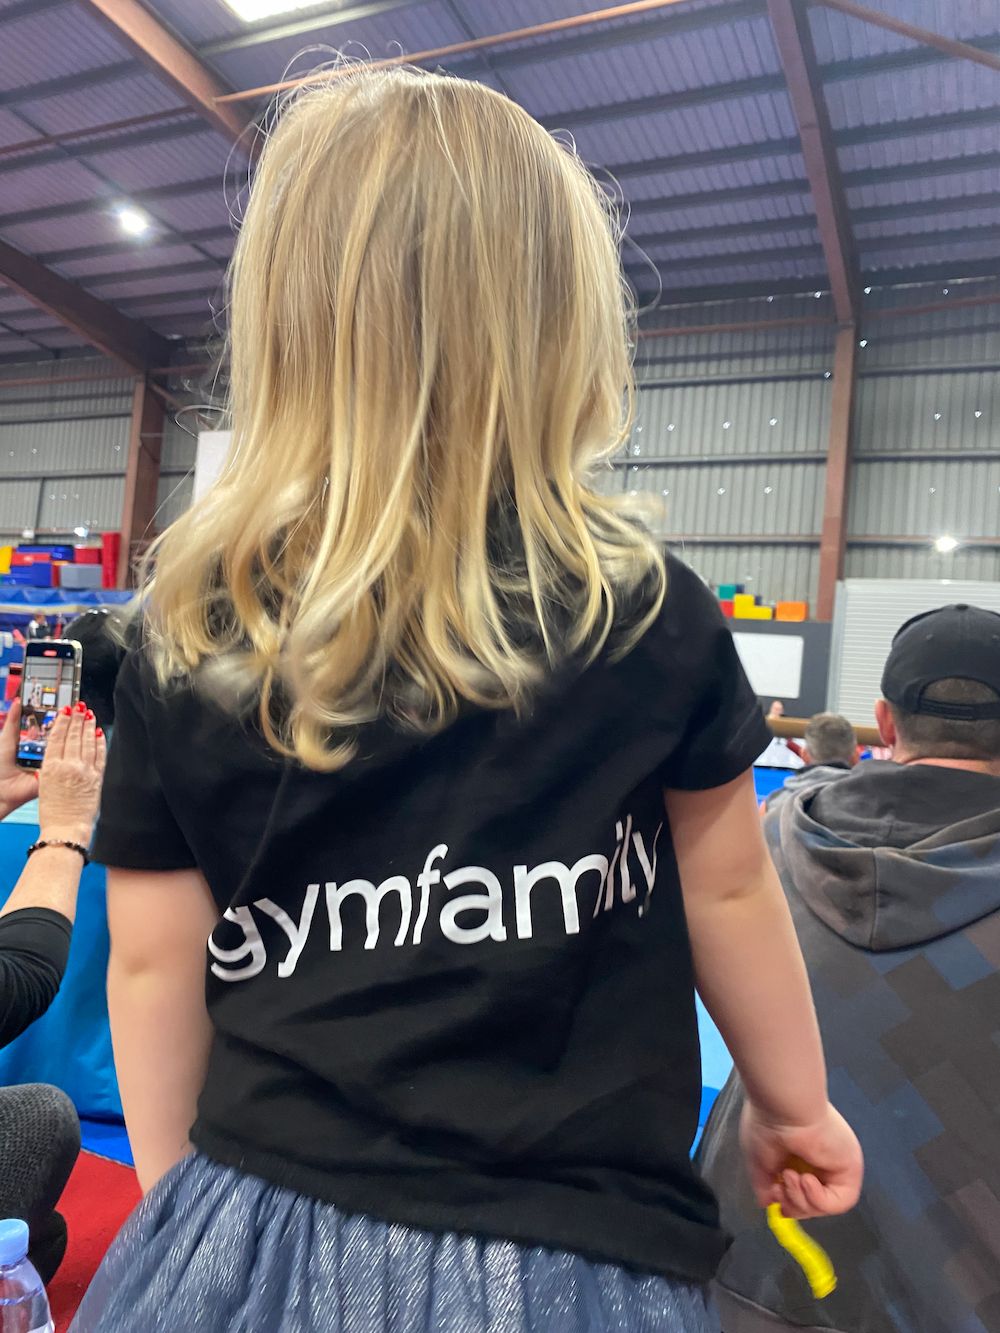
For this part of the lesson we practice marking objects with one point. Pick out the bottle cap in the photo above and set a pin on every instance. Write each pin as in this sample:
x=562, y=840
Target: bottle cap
x=13, y=1242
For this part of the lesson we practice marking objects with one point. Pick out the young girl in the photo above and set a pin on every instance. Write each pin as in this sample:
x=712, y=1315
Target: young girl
x=396, y=742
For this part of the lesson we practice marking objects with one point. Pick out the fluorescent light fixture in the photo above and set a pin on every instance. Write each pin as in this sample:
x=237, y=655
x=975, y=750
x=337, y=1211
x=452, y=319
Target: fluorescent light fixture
x=81, y=532
x=945, y=545
x=252, y=11
x=132, y=220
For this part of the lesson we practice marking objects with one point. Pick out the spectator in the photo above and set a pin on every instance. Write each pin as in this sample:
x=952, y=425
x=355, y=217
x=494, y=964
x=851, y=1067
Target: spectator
x=893, y=874
x=39, y=1131
x=829, y=751
x=38, y=627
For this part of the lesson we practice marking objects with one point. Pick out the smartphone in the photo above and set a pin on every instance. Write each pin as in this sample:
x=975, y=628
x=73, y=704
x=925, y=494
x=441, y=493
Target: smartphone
x=50, y=682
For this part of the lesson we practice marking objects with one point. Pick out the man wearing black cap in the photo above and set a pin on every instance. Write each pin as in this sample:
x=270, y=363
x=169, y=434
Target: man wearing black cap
x=893, y=875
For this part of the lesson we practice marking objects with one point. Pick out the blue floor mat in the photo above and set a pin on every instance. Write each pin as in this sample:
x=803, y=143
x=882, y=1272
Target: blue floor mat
x=107, y=1139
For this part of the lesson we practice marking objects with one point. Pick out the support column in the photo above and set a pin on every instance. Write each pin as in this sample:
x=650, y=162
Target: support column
x=142, y=476
x=833, y=541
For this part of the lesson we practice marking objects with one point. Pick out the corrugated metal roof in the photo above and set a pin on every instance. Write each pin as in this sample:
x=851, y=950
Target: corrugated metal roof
x=711, y=89
x=83, y=44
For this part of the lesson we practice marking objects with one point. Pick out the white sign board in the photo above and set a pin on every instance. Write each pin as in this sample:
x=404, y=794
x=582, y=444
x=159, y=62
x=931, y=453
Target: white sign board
x=772, y=661
x=213, y=446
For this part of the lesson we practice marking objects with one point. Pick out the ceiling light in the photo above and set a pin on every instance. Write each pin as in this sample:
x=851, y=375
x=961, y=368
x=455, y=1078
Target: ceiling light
x=726, y=425
x=863, y=342
x=944, y=291
x=945, y=545
x=937, y=416
x=670, y=425
x=977, y=414
x=773, y=421
x=868, y=291
x=250, y=11
x=932, y=490
x=768, y=490
x=770, y=299
x=666, y=492
x=827, y=374
x=131, y=220
x=721, y=490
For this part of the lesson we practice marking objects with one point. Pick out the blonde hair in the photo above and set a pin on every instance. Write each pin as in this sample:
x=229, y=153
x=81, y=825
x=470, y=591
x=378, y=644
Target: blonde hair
x=429, y=355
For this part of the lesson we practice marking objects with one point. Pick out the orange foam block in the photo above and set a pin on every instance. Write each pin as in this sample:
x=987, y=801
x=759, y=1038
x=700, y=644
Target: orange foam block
x=792, y=611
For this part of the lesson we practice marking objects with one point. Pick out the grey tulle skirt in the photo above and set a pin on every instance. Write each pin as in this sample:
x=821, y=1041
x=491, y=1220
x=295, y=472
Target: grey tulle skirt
x=214, y=1251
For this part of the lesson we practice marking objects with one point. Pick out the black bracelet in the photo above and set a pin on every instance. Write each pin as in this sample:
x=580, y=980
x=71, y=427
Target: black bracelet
x=59, y=842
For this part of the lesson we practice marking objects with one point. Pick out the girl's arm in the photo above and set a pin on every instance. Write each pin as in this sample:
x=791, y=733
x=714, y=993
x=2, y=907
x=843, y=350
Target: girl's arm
x=751, y=975
x=160, y=922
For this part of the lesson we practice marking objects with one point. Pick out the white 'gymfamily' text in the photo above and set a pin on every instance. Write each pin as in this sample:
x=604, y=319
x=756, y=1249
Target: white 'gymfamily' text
x=467, y=918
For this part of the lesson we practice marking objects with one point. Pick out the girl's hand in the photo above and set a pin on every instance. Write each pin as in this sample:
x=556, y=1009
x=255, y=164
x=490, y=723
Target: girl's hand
x=69, y=785
x=17, y=785
x=810, y=1170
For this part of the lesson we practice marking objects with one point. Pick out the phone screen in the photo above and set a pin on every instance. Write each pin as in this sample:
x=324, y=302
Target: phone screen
x=50, y=683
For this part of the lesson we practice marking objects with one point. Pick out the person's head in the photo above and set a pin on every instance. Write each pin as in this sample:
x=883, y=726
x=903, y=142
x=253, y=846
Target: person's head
x=941, y=688
x=830, y=739
x=777, y=709
x=31, y=728
x=429, y=357
x=99, y=634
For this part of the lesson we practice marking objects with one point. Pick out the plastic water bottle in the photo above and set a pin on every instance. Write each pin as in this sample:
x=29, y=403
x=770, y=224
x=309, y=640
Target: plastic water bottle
x=24, y=1306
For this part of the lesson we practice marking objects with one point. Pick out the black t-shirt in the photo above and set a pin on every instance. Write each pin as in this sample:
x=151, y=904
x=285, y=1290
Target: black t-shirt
x=452, y=984
x=34, y=951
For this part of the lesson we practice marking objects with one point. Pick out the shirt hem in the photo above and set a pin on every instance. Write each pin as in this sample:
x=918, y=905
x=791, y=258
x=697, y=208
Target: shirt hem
x=693, y=1259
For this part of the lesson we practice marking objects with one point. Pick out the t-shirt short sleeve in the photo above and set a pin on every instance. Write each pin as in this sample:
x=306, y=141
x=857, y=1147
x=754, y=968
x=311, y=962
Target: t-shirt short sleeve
x=136, y=829
x=722, y=730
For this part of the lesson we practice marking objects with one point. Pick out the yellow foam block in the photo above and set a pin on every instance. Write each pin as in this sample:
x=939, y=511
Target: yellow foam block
x=5, y=554
x=743, y=602
x=758, y=613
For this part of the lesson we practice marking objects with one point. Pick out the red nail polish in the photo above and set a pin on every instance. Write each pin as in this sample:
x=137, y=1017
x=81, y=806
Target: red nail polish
x=100, y=731
x=90, y=716
x=81, y=707
x=67, y=711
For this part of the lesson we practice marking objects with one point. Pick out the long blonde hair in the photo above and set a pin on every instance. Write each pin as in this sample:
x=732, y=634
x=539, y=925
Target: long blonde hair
x=429, y=349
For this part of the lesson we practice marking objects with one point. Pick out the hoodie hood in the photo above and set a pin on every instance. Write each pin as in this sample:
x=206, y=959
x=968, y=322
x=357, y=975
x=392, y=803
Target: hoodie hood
x=892, y=856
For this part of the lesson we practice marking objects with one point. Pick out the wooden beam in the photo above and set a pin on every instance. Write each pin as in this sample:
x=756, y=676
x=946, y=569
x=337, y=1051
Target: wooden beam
x=126, y=340
x=140, y=30
x=833, y=539
x=925, y=36
x=790, y=23
x=142, y=476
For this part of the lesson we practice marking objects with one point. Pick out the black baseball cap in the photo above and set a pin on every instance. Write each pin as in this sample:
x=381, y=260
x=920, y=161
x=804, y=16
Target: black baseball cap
x=960, y=642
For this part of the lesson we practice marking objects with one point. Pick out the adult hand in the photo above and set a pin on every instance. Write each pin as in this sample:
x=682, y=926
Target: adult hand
x=17, y=785
x=811, y=1170
x=69, y=786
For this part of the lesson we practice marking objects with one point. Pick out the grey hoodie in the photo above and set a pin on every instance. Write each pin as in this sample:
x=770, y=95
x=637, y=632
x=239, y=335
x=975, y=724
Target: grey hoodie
x=813, y=775
x=893, y=876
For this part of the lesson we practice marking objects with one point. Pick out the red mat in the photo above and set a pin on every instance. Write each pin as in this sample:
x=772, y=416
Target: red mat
x=98, y=1198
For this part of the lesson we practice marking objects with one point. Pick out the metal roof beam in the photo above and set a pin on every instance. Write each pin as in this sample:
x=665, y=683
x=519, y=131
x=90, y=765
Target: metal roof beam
x=115, y=334
x=175, y=64
x=948, y=45
x=790, y=23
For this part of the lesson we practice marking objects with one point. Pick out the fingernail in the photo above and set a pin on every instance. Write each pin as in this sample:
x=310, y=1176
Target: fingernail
x=99, y=732
x=90, y=716
x=67, y=711
x=81, y=707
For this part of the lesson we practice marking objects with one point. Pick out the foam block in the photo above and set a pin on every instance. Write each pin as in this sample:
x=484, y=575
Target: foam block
x=727, y=608
x=792, y=611
x=743, y=603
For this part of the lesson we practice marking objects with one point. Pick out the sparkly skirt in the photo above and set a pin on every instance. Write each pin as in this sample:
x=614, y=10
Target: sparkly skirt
x=212, y=1250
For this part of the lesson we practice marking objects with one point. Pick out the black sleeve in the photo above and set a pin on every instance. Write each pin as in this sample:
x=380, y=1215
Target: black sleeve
x=723, y=730
x=34, y=949
x=136, y=829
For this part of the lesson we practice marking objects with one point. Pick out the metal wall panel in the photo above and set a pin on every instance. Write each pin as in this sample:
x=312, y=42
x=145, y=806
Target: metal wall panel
x=922, y=562
x=64, y=446
x=772, y=572
x=730, y=498
x=18, y=505
x=90, y=502
x=180, y=442
x=763, y=416
x=173, y=497
x=932, y=498
x=928, y=412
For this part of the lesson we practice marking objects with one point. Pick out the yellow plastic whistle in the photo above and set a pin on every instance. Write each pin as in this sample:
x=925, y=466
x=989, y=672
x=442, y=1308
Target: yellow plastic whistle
x=810, y=1257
